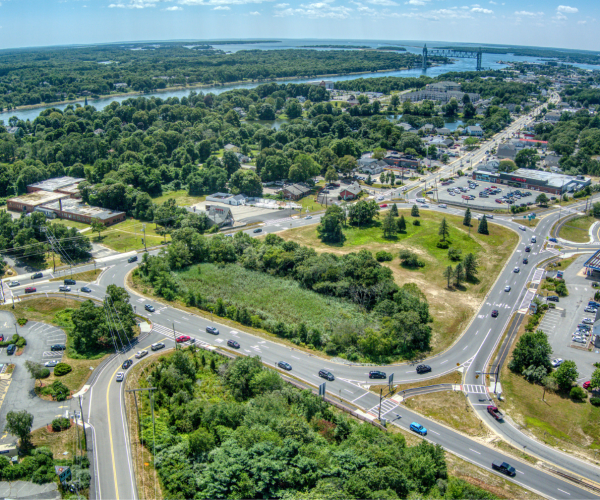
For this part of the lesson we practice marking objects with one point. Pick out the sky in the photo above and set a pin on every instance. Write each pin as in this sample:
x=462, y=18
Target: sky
x=544, y=23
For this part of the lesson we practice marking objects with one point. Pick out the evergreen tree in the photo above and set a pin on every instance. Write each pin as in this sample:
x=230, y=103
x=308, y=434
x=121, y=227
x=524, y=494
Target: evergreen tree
x=390, y=227
x=470, y=263
x=448, y=273
x=444, y=230
x=482, y=228
x=394, y=210
x=401, y=224
x=459, y=274
x=414, y=211
x=467, y=219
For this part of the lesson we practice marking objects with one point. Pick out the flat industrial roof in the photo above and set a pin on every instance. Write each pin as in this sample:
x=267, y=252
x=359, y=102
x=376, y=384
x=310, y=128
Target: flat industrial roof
x=38, y=198
x=593, y=262
x=550, y=178
x=56, y=183
x=75, y=207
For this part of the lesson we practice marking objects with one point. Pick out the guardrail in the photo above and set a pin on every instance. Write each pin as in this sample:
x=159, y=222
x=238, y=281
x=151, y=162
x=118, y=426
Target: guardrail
x=573, y=479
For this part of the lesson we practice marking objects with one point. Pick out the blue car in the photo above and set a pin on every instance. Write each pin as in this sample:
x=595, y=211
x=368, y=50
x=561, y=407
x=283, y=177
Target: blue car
x=553, y=240
x=418, y=428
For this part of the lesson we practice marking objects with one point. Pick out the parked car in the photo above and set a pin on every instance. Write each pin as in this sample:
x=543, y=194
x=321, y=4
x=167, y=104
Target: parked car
x=157, y=346
x=149, y=308
x=423, y=368
x=212, y=329
x=13, y=283
x=182, y=338
x=120, y=376
x=377, y=374
x=504, y=468
x=556, y=362
x=126, y=364
x=141, y=354
x=51, y=364
x=70, y=282
x=131, y=259
x=85, y=289
x=495, y=313
x=418, y=428
x=64, y=288
x=30, y=289
x=552, y=298
x=11, y=349
x=590, y=309
x=57, y=347
x=586, y=385
x=326, y=375
x=284, y=365
x=587, y=321
x=35, y=276
x=233, y=343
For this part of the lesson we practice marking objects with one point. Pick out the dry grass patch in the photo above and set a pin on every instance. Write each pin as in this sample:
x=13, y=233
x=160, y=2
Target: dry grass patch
x=78, y=376
x=58, y=442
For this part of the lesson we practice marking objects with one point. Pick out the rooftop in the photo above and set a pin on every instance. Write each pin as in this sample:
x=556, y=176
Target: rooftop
x=79, y=208
x=56, y=183
x=550, y=178
x=38, y=198
x=593, y=262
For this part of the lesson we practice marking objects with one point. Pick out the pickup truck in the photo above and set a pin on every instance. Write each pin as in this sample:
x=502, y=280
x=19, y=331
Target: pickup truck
x=495, y=412
x=504, y=468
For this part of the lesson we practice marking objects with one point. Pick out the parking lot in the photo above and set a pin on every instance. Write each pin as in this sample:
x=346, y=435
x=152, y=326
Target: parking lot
x=449, y=194
x=562, y=322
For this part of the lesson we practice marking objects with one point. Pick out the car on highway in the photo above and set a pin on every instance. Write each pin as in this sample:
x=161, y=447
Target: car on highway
x=35, y=276
x=504, y=468
x=516, y=270
x=556, y=362
x=131, y=259
x=64, y=288
x=69, y=281
x=120, y=377
x=284, y=365
x=377, y=374
x=507, y=288
x=553, y=240
x=212, y=329
x=233, y=343
x=327, y=375
x=418, y=428
x=443, y=205
x=525, y=260
x=57, y=347
x=522, y=228
x=141, y=354
x=495, y=313
x=51, y=364
x=528, y=249
x=149, y=308
x=586, y=385
x=383, y=205
x=85, y=289
x=182, y=338
x=156, y=346
x=30, y=289
x=423, y=368
x=13, y=283
x=257, y=230
x=308, y=217
x=126, y=364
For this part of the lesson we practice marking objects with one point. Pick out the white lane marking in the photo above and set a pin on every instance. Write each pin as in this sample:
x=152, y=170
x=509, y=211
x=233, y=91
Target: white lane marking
x=563, y=491
x=434, y=432
x=465, y=347
x=349, y=391
x=474, y=451
x=295, y=357
x=443, y=362
x=520, y=472
x=362, y=395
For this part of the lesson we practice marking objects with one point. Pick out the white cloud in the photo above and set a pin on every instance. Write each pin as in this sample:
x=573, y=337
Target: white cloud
x=415, y=2
x=581, y=22
x=318, y=10
x=137, y=4
x=255, y=13
x=493, y=3
x=282, y=5
x=221, y=7
x=480, y=10
x=527, y=13
x=174, y=7
x=385, y=3
x=565, y=9
x=560, y=16
x=220, y=2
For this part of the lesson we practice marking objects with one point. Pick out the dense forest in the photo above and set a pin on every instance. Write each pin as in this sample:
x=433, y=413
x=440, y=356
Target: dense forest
x=399, y=319
x=234, y=429
x=54, y=74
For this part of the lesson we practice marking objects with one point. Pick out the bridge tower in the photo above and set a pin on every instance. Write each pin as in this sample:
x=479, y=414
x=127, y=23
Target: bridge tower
x=479, y=59
x=425, y=57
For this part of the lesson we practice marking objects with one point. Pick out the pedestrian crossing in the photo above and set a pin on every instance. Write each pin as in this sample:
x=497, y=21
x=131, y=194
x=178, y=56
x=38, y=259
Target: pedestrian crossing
x=474, y=389
x=387, y=405
x=529, y=295
x=537, y=276
x=168, y=332
x=277, y=222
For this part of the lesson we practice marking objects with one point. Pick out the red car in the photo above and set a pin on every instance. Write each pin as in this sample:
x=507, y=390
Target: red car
x=586, y=385
x=383, y=206
x=30, y=289
x=183, y=338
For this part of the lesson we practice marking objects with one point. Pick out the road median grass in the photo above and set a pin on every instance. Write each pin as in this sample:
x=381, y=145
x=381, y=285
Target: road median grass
x=577, y=229
x=491, y=250
x=86, y=276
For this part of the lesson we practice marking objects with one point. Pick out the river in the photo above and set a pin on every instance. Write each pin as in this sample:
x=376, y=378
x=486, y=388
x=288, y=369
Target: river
x=489, y=61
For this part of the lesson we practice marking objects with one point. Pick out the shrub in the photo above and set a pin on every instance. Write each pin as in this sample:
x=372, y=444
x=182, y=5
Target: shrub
x=62, y=369
x=577, y=393
x=595, y=401
x=416, y=222
x=22, y=321
x=45, y=373
x=454, y=254
x=383, y=256
x=443, y=244
x=60, y=424
x=410, y=259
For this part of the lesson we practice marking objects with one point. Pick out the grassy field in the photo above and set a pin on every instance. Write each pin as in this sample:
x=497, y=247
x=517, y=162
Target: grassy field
x=127, y=236
x=491, y=251
x=182, y=198
x=577, y=229
x=58, y=442
x=272, y=297
x=85, y=276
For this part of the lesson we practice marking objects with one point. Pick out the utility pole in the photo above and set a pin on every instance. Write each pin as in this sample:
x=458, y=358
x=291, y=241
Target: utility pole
x=380, y=398
x=83, y=423
x=144, y=229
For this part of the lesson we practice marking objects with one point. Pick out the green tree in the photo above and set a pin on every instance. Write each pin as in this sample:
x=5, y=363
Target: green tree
x=507, y=166
x=542, y=200
x=36, y=370
x=527, y=158
x=448, y=274
x=347, y=164
x=293, y=109
x=414, y=212
x=394, y=210
x=363, y=212
x=390, y=227
x=566, y=374
x=532, y=349
x=97, y=227
x=451, y=109
x=595, y=380
x=331, y=175
x=596, y=209
x=459, y=274
x=467, y=218
x=444, y=229
x=19, y=424
x=201, y=441
x=379, y=153
x=331, y=225
x=401, y=224
x=470, y=263
x=482, y=228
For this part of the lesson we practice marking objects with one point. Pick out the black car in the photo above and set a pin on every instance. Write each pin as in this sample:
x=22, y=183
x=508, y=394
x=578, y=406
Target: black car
x=377, y=374
x=126, y=364
x=552, y=298
x=57, y=347
x=36, y=276
x=284, y=365
x=495, y=313
x=528, y=249
x=423, y=368
x=150, y=308
x=70, y=282
x=212, y=329
x=233, y=343
x=258, y=230
x=504, y=468
x=326, y=375
x=86, y=289
x=131, y=259
x=525, y=260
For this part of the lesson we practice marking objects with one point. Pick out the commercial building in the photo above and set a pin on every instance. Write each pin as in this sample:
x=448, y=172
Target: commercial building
x=535, y=180
x=220, y=216
x=295, y=191
x=229, y=199
x=441, y=91
x=79, y=211
x=65, y=185
x=28, y=202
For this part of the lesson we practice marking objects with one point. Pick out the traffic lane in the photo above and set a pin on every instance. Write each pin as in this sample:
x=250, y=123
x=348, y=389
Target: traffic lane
x=527, y=476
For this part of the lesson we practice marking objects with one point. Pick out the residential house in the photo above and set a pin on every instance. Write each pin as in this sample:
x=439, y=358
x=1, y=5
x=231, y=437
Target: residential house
x=350, y=192
x=474, y=130
x=443, y=131
x=220, y=216
x=371, y=166
x=396, y=159
x=552, y=116
x=506, y=150
x=227, y=198
x=428, y=129
x=231, y=147
x=295, y=191
x=406, y=126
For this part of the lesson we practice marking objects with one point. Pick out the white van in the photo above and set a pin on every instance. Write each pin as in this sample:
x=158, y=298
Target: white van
x=421, y=200
x=443, y=205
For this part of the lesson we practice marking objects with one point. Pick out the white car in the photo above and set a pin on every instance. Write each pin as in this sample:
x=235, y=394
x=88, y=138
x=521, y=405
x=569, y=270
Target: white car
x=13, y=283
x=590, y=309
x=556, y=362
x=51, y=364
x=424, y=205
x=507, y=289
x=64, y=288
x=120, y=376
x=443, y=205
x=587, y=321
x=516, y=270
x=522, y=228
x=141, y=354
x=308, y=217
x=380, y=198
